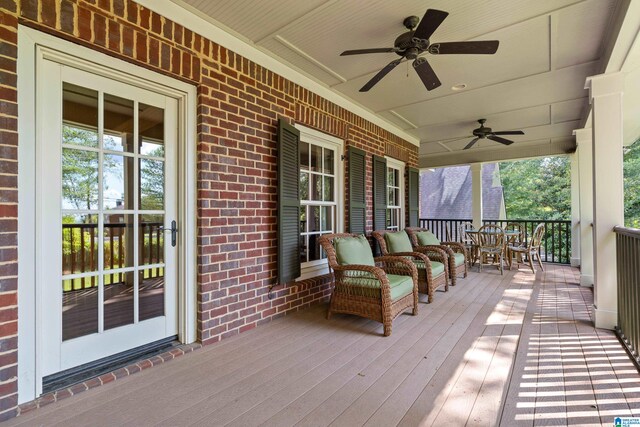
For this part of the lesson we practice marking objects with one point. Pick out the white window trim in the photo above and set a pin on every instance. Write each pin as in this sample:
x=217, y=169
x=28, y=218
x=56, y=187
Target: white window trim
x=34, y=45
x=400, y=165
x=321, y=267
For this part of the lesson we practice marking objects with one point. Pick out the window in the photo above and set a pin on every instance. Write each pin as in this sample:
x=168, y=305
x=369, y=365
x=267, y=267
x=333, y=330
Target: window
x=395, y=195
x=321, y=195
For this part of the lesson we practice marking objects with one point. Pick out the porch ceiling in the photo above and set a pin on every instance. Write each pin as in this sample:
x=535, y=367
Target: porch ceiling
x=534, y=82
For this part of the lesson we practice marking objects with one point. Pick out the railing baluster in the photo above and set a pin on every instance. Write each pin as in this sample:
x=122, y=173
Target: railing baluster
x=83, y=281
x=158, y=231
x=111, y=253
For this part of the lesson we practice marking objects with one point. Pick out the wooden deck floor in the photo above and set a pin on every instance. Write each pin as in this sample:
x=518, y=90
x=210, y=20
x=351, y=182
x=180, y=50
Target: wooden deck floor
x=518, y=349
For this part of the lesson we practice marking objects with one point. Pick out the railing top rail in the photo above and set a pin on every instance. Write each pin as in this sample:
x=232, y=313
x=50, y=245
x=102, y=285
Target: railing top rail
x=631, y=232
x=107, y=225
x=546, y=221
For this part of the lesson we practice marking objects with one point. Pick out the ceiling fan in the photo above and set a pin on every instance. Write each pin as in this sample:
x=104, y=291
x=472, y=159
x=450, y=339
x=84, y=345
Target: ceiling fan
x=415, y=42
x=484, y=132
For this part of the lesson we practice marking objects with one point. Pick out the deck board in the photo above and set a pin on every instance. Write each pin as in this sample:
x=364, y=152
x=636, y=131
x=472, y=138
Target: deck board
x=512, y=350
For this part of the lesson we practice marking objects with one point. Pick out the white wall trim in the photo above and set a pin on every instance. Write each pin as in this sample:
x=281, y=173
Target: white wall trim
x=313, y=136
x=400, y=165
x=208, y=29
x=32, y=43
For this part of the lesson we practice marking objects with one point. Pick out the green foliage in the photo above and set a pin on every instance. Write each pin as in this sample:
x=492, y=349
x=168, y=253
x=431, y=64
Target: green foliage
x=632, y=186
x=537, y=188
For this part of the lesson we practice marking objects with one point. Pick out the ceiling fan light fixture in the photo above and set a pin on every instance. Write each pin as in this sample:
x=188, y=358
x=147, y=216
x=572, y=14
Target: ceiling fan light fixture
x=459, y=86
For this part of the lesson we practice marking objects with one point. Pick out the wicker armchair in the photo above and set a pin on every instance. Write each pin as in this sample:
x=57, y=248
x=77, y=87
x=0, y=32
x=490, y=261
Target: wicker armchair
x=533, y=248
x=456, y=252
x=491, y=242
x=379, y=290
x=432, y=274
x=514, y=240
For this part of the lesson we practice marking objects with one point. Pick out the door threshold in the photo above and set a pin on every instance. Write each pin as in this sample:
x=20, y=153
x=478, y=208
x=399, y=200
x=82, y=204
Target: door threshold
x=78, y=374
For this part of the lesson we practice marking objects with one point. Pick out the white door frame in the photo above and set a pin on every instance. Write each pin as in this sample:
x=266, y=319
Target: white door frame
x=32, y=47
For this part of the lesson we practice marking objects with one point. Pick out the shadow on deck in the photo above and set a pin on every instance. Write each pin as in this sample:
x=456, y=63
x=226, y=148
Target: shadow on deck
x=518, y=349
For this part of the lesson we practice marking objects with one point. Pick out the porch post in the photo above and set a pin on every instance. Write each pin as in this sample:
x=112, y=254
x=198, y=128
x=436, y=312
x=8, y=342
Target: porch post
x=476, y=194
x=605, y=94
x=585, y=176
x=575, y=210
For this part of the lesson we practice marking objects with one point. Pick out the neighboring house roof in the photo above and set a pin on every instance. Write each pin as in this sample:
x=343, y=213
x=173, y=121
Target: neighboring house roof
x=446, y=193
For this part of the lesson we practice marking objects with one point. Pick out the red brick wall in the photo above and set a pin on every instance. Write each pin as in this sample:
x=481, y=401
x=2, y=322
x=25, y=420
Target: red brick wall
x=8, y=209
x=238, y=106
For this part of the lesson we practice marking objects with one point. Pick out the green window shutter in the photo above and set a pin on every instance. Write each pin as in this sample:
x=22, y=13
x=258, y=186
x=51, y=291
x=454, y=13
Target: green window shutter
x=288, y=202
x=414, y=196
x=357, y=191
x=379, y=193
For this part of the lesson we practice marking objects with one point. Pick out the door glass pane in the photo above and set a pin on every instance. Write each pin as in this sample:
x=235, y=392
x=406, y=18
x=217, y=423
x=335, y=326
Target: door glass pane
x=151, y=184
x=117, y=182
x=79, y=308
x=79, y=116
x=151, y=239
x=151, y=293
x=151, y=130
x=118, y=123
x=79, y=179
x=79, y=245
x=118, y=242
x=118, y=299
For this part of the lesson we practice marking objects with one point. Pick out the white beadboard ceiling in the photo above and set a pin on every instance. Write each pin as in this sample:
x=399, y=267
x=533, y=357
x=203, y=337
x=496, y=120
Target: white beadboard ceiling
x=535, y=82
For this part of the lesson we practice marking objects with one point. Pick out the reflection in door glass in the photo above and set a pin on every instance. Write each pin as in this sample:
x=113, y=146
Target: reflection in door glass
x=151, y=128
x=79, y=308
x=118, y=123
x=151, y=184
x=151, y=293
x=118, y=300
x=79, y=116
x=117, y=182
x=118, y=243
x=79, y=179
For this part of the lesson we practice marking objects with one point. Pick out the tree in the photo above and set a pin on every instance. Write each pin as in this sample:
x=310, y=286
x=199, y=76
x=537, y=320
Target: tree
x=80, y=168
x=632, y=185
x=537, y=188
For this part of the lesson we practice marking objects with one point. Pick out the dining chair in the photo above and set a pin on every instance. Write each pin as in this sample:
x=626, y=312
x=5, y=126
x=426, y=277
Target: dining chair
x=532, y=249
x=515, y=237
x=491, y=242
x=469, y=241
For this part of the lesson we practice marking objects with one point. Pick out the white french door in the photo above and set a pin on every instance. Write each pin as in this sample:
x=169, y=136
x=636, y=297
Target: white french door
x=106, y=226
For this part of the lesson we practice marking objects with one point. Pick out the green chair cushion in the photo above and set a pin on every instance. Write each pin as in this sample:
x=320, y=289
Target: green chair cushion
x=353, y=250
x=398, y=242
x=459, y=259
x=369, y=286
x=427, y=238
x=400, y=285
x=437, y=268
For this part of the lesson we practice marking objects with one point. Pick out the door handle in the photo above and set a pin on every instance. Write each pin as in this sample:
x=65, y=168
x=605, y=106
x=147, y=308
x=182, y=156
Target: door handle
x=173, y=230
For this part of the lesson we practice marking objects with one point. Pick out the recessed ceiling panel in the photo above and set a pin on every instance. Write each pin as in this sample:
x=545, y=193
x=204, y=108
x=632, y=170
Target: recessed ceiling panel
x=568, y=110
x=254, y=19
x=546, y=88
x=509, y=120
x=580, y=30
x=523, y=51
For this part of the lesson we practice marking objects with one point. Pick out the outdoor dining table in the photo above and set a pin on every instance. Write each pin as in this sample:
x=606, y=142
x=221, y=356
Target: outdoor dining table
x=510, y=237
